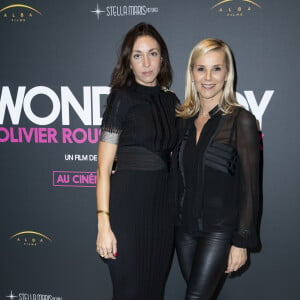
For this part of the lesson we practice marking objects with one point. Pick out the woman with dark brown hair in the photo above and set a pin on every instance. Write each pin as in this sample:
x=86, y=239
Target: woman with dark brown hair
x=135, y=232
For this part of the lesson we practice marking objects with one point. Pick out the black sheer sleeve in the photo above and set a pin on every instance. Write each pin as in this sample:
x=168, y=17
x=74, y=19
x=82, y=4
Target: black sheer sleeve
x=247, y=141
x=113, y=117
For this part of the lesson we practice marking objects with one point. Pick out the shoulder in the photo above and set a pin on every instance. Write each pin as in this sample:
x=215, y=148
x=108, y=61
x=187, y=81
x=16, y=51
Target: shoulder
x=241, y=114
x=245, y=115
x=119, y=94
x=117, y=104
x=119, y=97
x=244, y=118
x=183, y=123
x=169, y=94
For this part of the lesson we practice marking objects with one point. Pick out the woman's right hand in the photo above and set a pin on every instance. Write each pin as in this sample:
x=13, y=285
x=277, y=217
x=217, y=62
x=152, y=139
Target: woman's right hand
x=106, y=243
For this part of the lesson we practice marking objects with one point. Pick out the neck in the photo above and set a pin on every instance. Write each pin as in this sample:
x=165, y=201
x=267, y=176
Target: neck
x=206, y=107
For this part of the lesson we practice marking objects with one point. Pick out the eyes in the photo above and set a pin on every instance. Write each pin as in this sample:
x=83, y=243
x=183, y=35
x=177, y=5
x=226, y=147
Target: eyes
x=217, y=69
x=204, y=69
x=140, y=56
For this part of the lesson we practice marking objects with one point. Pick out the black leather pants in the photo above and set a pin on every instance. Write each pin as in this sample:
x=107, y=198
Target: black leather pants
x=203, y=260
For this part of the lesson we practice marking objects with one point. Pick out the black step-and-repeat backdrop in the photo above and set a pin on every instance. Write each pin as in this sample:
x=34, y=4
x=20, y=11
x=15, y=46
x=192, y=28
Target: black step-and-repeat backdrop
x=56, y=58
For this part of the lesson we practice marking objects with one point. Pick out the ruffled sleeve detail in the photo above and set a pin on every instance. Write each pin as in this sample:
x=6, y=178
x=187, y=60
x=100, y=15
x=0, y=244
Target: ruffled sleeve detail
x=114, y=117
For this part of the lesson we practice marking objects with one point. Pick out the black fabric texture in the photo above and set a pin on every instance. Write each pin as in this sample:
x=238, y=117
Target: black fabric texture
x=216, y=181
x=140, y=210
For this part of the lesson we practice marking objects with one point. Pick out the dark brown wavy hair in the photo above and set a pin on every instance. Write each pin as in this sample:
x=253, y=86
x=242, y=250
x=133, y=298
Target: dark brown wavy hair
x=122, y=74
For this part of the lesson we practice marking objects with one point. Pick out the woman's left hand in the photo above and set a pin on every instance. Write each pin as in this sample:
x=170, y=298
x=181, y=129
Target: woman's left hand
x=236, y=259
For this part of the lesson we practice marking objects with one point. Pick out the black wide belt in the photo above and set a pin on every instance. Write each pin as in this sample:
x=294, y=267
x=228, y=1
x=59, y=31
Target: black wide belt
x=140, y=158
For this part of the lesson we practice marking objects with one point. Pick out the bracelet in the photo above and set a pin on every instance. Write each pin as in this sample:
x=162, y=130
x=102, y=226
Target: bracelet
x=100, y=211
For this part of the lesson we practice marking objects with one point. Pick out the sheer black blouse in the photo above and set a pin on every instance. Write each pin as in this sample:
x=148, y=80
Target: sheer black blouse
x=218, y=187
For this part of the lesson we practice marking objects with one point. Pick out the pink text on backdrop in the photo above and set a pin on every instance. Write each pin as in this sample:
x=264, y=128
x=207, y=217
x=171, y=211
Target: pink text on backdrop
x=46, y=135
x=73, y=179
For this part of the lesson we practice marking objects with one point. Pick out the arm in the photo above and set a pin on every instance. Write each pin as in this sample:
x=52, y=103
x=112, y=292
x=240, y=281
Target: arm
x=111, y=130
x=248, y=150
x=106, y=241
x=248, y=199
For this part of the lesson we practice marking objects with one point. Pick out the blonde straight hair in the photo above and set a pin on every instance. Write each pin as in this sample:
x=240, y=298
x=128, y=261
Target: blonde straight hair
x=192, y=104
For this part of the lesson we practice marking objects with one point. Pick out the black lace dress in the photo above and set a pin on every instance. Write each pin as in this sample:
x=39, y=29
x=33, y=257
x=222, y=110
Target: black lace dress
x=141, y=120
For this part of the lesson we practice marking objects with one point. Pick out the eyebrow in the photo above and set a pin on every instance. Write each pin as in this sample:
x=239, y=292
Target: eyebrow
x=140, y=51
x=209, y=65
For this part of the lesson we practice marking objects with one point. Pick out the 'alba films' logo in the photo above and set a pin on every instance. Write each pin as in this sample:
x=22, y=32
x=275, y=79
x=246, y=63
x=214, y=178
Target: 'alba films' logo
x=30, y=238
x=18, y=12
x=235, y=8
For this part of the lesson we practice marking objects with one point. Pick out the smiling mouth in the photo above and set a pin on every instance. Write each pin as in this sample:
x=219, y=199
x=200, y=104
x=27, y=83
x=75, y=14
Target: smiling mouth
x=208, y=86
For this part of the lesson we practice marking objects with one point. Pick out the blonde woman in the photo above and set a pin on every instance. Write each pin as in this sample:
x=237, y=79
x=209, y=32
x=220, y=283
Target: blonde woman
x=215, y=165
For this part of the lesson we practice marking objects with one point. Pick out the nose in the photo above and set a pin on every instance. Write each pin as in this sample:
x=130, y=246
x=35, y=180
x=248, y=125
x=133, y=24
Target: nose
x=208, y=75
x=146, y=61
